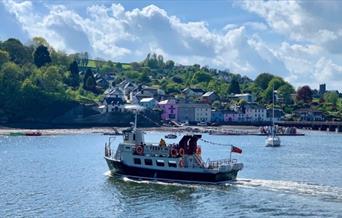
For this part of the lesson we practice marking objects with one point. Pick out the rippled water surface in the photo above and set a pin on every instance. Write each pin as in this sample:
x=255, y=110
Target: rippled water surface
x=66, y=176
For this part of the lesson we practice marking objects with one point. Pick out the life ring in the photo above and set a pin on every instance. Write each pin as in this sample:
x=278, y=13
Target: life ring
x=181, y=152
x=174, y=152
x=198, y=150
x=139, y=150
x=181, y=163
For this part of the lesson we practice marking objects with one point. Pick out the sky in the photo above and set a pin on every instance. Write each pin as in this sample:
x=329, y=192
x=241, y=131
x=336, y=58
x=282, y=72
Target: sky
x=300, y=41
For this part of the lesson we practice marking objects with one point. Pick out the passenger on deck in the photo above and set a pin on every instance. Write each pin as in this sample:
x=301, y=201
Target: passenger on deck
x=162, y=143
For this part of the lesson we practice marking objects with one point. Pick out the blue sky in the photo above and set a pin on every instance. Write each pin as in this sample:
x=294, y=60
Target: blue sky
x=298, y=40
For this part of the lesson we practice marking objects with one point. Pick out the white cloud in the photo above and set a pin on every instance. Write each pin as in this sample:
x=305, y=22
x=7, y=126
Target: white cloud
x=112, y=32
x=256, y=26
x=311, y=21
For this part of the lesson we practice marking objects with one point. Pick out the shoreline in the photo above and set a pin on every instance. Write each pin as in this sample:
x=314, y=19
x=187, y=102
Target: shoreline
x=212, y=130
x=6, y=131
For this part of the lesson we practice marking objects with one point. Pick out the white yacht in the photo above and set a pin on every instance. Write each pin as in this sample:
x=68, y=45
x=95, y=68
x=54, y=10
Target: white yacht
x=273, y=140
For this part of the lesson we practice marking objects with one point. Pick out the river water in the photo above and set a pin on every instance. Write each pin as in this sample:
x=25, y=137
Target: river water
x=66, y=176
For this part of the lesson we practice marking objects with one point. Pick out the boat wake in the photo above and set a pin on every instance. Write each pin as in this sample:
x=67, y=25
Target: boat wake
x=324, y=192
x=292, y=187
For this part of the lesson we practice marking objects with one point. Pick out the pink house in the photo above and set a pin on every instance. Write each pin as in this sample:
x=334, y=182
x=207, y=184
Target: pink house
x=169, y=108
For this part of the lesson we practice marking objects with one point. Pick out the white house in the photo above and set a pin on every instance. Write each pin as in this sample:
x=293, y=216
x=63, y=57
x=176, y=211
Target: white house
x=113, y=101
x=254, y=112
x=148, y=103
x=202, y=113
x=249, y=98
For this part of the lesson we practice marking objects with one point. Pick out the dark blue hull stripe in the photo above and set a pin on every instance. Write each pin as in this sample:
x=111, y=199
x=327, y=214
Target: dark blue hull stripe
x=122, y=169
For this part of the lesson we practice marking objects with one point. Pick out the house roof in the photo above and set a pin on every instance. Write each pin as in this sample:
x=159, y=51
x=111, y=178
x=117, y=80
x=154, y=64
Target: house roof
x=207, y=94
x=184, y=105
x=112, y=91
x=147, y=100
x=242, y=95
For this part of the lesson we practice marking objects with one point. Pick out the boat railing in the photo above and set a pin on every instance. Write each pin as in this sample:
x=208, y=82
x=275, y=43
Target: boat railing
x=109, y=152
x=217, y=163
x=199, y=160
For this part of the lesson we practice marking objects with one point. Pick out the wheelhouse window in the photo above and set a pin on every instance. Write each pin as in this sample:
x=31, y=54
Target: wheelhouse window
x=160, y=163
x=148, y=162
x=172, y=164
x=137, y=161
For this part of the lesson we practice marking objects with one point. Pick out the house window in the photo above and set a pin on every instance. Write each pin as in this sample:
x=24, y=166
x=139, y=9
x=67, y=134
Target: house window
x=172, y=164
x=160, y=163
x=148, y=162
x=137, y=161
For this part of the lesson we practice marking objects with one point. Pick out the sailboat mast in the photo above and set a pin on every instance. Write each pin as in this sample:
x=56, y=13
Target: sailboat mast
x=136, y=119
x=273, y=130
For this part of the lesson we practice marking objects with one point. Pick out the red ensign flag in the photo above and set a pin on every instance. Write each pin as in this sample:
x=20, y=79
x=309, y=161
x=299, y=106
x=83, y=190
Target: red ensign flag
x=236, y=150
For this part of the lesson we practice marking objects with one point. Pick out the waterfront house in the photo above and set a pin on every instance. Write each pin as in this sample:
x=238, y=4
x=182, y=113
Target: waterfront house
x=231, y=116
x=249, y=98
x=202, y=113
x=128, y=88
x=148, y=103
x=216, y=116
x=278, y=114
x=306, y=114
x=113, y=101
x=209, y=97
x=192, y=92
x=194, y=112
x=102, y=83
x=169, y=109
x=255, y=113
x=186, y=112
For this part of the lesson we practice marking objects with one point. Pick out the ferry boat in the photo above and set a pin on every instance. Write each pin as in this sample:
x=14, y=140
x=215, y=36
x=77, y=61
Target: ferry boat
x=181, y=162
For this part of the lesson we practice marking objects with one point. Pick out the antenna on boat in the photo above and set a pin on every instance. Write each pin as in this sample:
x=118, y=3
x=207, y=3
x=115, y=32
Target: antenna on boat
x=135, y=109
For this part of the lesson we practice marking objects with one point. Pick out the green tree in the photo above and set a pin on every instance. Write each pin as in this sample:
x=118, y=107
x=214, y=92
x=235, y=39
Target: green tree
x=200, y=77
x=4, y=57
x=177, y=79
x=74, y=74
x=11, y=77
x=118, y=66
x=275, y=83
x=144, y=78
x=89, y=82
x=331, y=97
x=52, y=79
x=18, y=53
x=41, y=56
x=169, y=64
x=234, y=87
x=285, y=91
x=160, y=60
x=263, y=79
x=37, y=41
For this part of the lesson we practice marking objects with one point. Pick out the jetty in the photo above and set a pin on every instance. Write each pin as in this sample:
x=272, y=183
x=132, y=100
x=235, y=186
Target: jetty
x=332, y=126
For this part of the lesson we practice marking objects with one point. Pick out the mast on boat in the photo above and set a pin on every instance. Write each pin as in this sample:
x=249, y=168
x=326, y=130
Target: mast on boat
x=273, y=130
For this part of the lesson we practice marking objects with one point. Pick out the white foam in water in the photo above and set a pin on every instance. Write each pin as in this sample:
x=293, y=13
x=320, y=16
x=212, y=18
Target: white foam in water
x=293, y=187
x=125, y=179
x=108, y=173
x=326, y=192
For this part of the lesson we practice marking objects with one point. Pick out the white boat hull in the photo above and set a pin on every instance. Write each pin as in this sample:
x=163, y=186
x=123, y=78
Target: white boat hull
x=273, y=141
